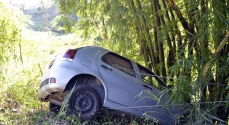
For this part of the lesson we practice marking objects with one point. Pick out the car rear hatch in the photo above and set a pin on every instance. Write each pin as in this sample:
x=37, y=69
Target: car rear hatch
x=69, y=55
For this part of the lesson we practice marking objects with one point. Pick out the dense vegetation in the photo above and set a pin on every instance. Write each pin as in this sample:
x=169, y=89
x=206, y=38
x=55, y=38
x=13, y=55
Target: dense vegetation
x=184, y=42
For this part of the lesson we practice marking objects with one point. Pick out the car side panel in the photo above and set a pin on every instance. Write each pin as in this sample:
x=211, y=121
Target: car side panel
x=85, y=61
x=89, y=64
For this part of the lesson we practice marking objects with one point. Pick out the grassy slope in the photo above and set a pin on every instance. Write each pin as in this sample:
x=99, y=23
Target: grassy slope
x=18, y=95
x=19, y=100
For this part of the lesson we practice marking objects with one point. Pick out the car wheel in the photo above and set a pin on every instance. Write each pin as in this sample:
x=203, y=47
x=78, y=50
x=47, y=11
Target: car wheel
x=84, y=101
x=54, y=108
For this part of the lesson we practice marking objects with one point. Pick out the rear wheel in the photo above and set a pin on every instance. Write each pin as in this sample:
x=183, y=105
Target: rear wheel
x=84, y=101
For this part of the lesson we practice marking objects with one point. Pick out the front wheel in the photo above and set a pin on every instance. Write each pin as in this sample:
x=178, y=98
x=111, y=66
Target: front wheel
x=84, y=101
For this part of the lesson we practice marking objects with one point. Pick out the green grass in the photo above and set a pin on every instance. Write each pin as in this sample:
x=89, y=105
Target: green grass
x=21, y=78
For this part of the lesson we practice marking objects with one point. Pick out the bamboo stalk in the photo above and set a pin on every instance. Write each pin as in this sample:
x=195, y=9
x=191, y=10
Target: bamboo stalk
x=217, y=51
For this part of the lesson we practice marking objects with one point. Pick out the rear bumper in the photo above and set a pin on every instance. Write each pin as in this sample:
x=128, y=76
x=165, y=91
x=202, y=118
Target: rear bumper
x=62, y=76
x=48, y=89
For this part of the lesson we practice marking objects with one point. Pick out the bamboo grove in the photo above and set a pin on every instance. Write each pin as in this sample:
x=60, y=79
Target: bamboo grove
x=185, y=41
x=10, y=33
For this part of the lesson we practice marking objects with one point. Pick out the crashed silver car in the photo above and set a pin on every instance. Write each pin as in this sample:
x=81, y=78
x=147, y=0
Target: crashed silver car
x=93, y=79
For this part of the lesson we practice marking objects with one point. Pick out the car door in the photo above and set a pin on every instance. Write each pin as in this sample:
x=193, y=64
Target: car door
x=120, y=78
x=152, y=100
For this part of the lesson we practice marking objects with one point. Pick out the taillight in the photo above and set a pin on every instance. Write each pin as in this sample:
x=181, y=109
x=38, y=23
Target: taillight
x=52, y=80
x=70, y=54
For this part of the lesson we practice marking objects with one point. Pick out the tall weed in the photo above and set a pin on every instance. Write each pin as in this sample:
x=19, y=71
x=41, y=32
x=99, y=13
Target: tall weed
x=23, y=56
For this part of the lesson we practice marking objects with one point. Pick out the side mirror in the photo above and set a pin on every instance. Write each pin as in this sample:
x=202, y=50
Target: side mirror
x=170, y=86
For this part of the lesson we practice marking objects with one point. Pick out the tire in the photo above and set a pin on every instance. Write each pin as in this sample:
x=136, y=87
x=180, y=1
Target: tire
x=84, y=101
x=54, y=108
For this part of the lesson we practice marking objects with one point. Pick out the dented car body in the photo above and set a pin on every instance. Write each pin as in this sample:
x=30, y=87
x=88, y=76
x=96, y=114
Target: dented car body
x=94, y=79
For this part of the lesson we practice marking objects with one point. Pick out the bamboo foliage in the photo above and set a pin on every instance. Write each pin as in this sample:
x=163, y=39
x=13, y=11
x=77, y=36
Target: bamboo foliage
x=176, y=38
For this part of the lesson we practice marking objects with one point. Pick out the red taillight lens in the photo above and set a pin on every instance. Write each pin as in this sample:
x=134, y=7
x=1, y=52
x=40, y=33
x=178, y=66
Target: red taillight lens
x=52, y=80
x=70, y=54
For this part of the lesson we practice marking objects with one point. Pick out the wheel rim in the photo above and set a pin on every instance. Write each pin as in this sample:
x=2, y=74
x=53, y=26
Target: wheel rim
x=83, y=102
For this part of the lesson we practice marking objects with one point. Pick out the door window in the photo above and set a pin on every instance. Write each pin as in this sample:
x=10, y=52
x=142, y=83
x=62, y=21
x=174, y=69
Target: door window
x=119, y=63
x=150, y=78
